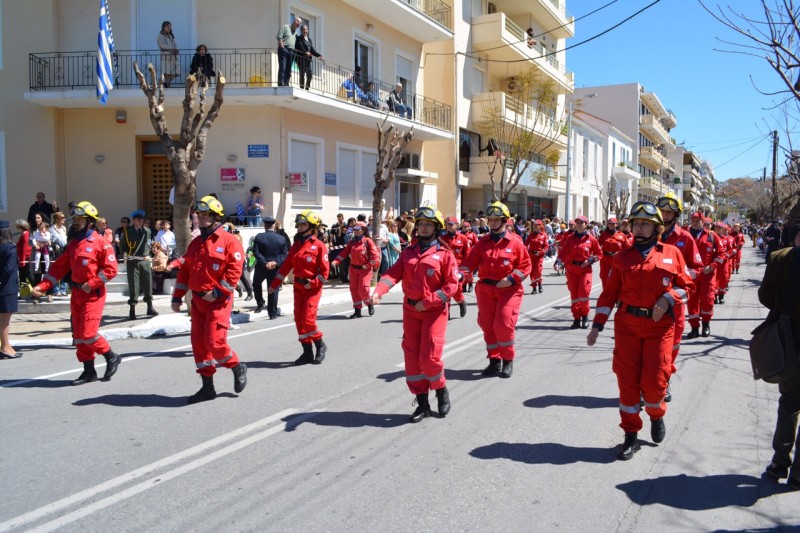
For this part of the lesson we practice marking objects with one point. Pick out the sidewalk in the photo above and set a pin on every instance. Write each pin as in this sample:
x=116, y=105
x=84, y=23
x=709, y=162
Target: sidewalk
x=50, y=326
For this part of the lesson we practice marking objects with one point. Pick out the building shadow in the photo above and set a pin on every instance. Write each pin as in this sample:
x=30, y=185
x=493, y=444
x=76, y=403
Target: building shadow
x=545, y=453
x=701, y=493
x=142, y=400
x=586, y=402
x=345, y=419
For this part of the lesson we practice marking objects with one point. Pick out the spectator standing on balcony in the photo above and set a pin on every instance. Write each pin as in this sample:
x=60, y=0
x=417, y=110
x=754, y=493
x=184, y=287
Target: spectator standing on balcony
x=396, y=102
x=169, y=53
x=305, y=51
x=286, y=42
x=202, y=65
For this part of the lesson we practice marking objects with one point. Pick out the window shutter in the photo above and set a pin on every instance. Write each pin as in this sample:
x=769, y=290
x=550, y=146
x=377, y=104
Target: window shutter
x=368, y=162
x=304, y=159
x=346, y=180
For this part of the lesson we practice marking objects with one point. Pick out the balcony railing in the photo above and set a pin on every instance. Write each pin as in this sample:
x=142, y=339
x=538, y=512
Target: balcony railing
x=559, y=5
x=434, y=9
x=248, y=67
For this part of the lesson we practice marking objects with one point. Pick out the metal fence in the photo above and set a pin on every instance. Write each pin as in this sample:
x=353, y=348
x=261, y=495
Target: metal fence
x=242, y=68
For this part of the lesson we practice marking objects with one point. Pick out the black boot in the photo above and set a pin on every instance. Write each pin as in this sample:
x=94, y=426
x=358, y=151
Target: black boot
x=88, y=375
x=668, y=395
x=576, y=324
x=356, y=313
x=423, y=409
x=206, y=392
x=249, y=296
x=706, y=330
x=629, y=447
x=584, y=322
x=370, y=309
x=540, y=288
x=722, y=299
x=443, y=399
x=322, y=349
x=308, y=354
x=462, y=309
x=239, y=377
x=151, y=310
x=469, y=287
x=694, y=333
x=658, y=430
x=132, y=313
x=507, y=370
x=495, y=365
x=533, y=289
x=112, y=362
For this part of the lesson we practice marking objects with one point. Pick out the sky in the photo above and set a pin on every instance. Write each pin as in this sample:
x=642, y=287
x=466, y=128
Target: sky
x=670, y=50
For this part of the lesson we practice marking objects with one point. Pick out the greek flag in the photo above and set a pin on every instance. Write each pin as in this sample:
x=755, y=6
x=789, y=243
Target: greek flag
x=240, y=211
x=105, y=47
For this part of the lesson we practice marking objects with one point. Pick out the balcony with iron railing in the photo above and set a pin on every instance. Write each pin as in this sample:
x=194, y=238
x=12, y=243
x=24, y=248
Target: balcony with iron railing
x=424, y=20
x=654, y=159
x=550, y=14
x=67, y=79
x=652, y=126
x=502, y=40
x=495, y=107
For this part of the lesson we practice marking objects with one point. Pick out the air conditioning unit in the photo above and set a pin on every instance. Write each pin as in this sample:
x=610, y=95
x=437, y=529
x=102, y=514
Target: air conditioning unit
x=513, y=85
x=410, y=161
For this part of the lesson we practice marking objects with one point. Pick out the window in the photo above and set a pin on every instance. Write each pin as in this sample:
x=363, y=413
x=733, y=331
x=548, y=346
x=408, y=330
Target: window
x=149, y=16
x=355, y=180
x=405, y=70
x=368, y=162
x=3, y=182
x=469, y=145
x=613, y=154
x=585, y=162
x=1, y=36
x=346, y=177
x=364, y=57
x=303, y=156
x=477, y=81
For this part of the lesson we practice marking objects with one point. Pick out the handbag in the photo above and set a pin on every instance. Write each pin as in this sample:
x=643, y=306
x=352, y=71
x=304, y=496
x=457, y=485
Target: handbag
x=773, y=353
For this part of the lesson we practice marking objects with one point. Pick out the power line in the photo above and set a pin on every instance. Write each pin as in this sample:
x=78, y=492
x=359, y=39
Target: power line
x=716, y=167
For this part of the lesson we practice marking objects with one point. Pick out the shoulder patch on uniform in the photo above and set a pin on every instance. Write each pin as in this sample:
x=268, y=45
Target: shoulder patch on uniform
x=668, y=260
x=220, y=249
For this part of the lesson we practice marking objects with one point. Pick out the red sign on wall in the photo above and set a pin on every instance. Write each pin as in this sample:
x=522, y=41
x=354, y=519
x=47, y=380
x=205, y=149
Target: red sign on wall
x=231, y=174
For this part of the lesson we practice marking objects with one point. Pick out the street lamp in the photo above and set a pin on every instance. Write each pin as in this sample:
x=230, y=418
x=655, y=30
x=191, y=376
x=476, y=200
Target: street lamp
x=569, y=153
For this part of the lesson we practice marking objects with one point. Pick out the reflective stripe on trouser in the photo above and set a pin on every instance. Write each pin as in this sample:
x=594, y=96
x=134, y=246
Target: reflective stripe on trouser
x=423, y=342
x=86, y=311
x=579, y=283
x=359, y=285
x=306, y=303
x=642, y=361
x=498, y=311
x=537, y=266
x=679, y=310
x=210, y=323
x=701, y=300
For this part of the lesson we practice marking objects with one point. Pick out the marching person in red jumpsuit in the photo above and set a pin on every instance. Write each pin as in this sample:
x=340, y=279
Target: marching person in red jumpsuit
x=671, y=207
x=308, y=258
x=645, y=282
x=537, y=245
x=578, y=252
x=429, y=274
x=472, y=239
x=503, y=264
x=739, y=240
x=723, y=271
x=459, y=245
x=90, y=261
x=611, y=242
x=701, y=301
x=211, y=268
x=625, y=229
x=365, y=258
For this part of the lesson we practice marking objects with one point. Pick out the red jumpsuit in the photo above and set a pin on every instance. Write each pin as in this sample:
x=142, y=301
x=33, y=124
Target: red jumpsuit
x=430, y=277
x=309, y=260
x=574, y=250
x=210, y=264
x=642, y=348
x=498, y=309
x=683, y=241
x=701, y=301
x=90, y=259
x=739, y=240
x=537, y=245
x=364, y=259
x=611, y=243
x=460, y=247
x=472, y=240
x=722, y=271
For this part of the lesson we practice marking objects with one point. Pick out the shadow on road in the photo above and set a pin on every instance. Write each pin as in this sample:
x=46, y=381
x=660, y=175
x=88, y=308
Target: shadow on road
x=269, y=364
x=587, y=402
x=701, y=493
x=36, y=383
x=345, y=419
x=142, y=400
x=544, y=453
x=450, y=374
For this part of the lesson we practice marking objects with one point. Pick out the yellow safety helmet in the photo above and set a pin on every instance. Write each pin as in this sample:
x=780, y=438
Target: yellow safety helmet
x=646, y=211
x=498, y=209
x=671, y=202
x=430, y=213
x=307, y=217
x=209, y=203
x=84, y=209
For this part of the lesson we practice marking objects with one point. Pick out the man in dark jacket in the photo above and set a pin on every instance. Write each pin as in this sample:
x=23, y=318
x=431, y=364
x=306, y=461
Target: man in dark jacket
x=270, y=250
x=304, y=52
x=773, y=238
x=781, y=267
x=41, y=206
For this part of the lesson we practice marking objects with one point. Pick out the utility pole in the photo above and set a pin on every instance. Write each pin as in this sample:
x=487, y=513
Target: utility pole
x=774, y=171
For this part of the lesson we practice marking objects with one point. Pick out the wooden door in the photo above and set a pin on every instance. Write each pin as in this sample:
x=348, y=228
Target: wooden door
x=157, y=185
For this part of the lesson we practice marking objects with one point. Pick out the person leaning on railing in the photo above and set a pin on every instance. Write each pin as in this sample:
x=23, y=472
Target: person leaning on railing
x=202, y=65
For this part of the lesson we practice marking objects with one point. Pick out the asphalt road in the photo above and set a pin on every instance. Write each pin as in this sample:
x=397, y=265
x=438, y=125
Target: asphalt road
x=328, y=447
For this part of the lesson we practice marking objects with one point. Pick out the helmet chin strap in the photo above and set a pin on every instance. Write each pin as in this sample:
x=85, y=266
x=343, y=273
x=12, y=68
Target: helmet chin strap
x=645, y=240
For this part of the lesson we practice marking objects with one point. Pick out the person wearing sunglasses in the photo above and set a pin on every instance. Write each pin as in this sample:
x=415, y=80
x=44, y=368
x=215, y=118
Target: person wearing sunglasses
x=429, y=273
x=577, y=253
x=308, y=259
x=645, y=283
x=211, y=268
x=91, y=263
x=611, y=241
x=503, y=263
x=701, y=302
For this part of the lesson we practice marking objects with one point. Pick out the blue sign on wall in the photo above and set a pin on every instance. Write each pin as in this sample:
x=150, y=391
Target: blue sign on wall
x=330, y=178
x=257, y=150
